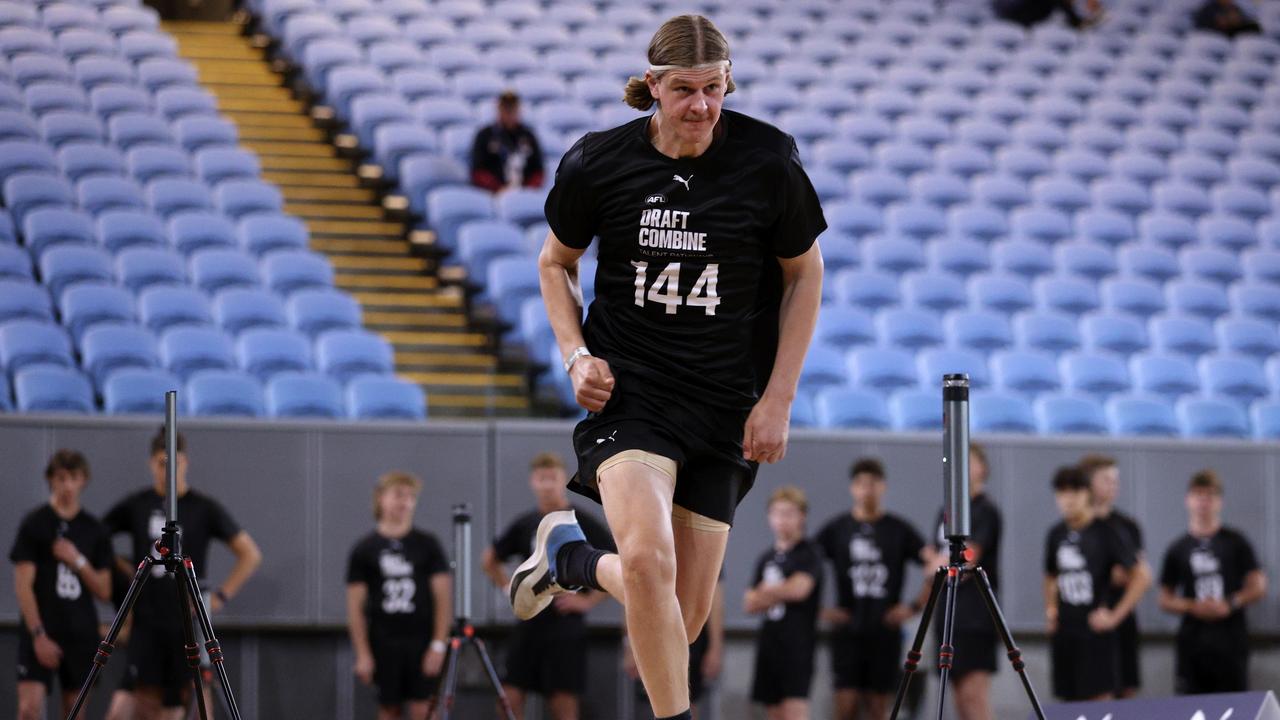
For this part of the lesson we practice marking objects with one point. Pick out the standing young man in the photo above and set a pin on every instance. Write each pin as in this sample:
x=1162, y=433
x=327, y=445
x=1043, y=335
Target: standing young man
x=399, y=602
x=1104, y=480
x=868, y=549
x=707, y=290
x=974, y=635
x=786, y=589
x=1081, y=553
x=61, y=562
x=547, y=654
x=1209, y=575
x=157, y=671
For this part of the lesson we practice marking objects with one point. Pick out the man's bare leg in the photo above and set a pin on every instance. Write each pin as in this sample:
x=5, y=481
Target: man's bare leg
x=31, y=700
x=515, y=696
x=563, y=706
x=699, y=556
x=973, y=695
x=637, y=503
x=122, y=707
x=846, y=704
x=878, y=706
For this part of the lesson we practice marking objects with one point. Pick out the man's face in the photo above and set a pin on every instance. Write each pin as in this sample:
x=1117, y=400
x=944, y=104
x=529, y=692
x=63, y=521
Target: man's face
x=66, y=485
x=397, y=503
x=1106, y=484
x=1072, y=503
x=1204, y=505
x=508, y=116
x=690, y=101
x=867, y=491
x=786, y=520
x=157, y=466
x=548, y=486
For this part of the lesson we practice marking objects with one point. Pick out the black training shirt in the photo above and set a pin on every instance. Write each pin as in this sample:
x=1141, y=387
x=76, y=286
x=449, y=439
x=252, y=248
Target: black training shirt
x=1212, y=568
x=688, y=250
x=985, y=529
x=66, y=605
x=869, y=560
x=790, y=622
x=516, y=543
x=1082, y=561
x=397, y=572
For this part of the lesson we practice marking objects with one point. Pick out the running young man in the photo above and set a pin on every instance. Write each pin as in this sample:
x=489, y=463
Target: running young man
x=1104, y=480
x=1081, y=554
x=61, y=562
x=399, y=602
x=157, y=671
x=786, y=591
x=868, y=549
x=548, y=654
x=974, y=636
x=707, y=289
x=1209, y=576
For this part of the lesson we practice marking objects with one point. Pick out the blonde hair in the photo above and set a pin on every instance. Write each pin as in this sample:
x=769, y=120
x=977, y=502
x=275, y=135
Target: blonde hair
x=388, y=480
x=791, y=494
x=682, y=41
x=546, y=461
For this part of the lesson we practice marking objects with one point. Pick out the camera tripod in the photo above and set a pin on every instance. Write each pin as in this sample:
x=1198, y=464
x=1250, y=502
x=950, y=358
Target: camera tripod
x=175, y=563
x=463, y=633
x=955, y=472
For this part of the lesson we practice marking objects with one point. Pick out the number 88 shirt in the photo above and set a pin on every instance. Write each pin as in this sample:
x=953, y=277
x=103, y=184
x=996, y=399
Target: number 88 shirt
x=687, y=285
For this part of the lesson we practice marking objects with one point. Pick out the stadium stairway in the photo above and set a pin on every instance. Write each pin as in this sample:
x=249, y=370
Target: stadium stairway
x=405, y=293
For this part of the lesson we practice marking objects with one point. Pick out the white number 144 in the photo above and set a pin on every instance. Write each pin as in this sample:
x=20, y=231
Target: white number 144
x=666, y=288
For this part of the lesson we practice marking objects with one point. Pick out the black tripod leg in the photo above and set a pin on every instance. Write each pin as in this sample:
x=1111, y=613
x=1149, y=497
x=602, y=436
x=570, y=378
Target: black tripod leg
x=913, y=656
x=505, y=704
x=212, y=645
x=449, y=680
x=190, y=648
x=947, y=651
x=1015, y=655
x=108, y=644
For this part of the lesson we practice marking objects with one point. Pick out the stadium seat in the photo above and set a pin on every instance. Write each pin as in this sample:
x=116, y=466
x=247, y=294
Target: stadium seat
x=261, y=233
x=1001, y=413
x=344, y=354
x=106, y=349
x=854, y=218
x=846, y=407
x=882, y=369
x=130, y=128
x=49, y=227
x=86, y=305
x=168, y=195
x=239, y=309
x=14, y=263
x=29, y=191
x=64, y=265
x=97, y=195
x=189, y=349
x=1203, y=417
x=908, y=328
x=1141, y=415
x=153, y=162
x=1070, y=295
x=1095, y=373
x=1164, y=375
x=224, y=393
x=1255, y=299
x=978, y=330
x=1138, y=297
x=176, y=103
x=237, y=198
x=217, y=164
x=264, y=352
x=510, y=281
x=1197, y=297
x=161, y=307
x=137, y=391
x=385, y=397
x=215, y=269
x=22, y=299
x=62, y=128
x=1228, y=231
x=934, y=363
x=1264, y=416
x=915, y=411
x=1085, y=259
x=51, y=388
x=935, y=291
x=958, y=257
x=893, y=255
x=316, y=311
x=823, y=366
x=193, y=231
x=199, y=132
x=1148, y=260
x=1248, y=336
x=866, y=289
x=1040, y=223
x=843, y=327
x=480, y=241
x=1129, y=197
x=287, y=271
x=1070, y=415
x=422, y=174
x=1002, y=293
x=304, y=395
x=1236, y=377
x=1118, y=334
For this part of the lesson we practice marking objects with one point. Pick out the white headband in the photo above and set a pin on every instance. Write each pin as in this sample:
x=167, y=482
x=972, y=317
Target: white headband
x=724, y=64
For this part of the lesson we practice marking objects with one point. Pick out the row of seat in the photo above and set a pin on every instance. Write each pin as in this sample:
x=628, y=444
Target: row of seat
x=226, y=393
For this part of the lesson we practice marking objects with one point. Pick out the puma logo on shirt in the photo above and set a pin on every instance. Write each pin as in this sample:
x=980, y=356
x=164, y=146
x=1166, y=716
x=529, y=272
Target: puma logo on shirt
x=682, y=181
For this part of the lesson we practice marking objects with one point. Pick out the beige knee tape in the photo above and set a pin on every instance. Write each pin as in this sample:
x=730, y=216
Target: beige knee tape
x=662, y=464
x=688, y=518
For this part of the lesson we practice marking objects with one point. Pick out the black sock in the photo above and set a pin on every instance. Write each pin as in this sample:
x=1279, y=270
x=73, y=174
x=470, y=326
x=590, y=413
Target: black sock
x=686, y=715
x=576, y=565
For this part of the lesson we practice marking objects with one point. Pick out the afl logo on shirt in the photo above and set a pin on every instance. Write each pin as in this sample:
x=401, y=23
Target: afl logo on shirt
x=656, y=199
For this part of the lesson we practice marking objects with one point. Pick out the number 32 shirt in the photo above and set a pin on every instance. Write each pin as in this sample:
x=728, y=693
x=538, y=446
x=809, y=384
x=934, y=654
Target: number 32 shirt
x=687, y=260
x=397, y=572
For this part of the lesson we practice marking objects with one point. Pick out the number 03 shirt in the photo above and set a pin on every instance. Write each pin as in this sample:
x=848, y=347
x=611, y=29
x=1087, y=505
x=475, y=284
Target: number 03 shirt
x=1081, y=560
x=397, y=572
x=688, y=250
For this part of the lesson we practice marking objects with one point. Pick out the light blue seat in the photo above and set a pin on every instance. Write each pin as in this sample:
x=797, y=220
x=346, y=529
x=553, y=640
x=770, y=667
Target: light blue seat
x=480, y=241
x=157, y=73
x=49, y=227
x=130, y=128
x=14, y=263
x=1134, y=296
x=1261, y=264
x=934, y=363
x=316, y=311
x=1183, y=334
x=1024, y=163
x=81, y=159
x=1206, y=417
x=371, y=111
x=1085, y=259
x=510, y=281
x=1095, y=373
x=1001, y=413
x=1107, y=227
x=215, y=269
x=915, y=411
x=1228, y=231
x=377, y=397
x=844, y=327
x=287, y=271
x=1070, y=295
x=1120, y=334
x=866, y=289
x=138, y=391
x=52, y=388
x=65, y=265
x=198, y=132
x=192, y=231
x=847, y=407
x=1237, y=377
x=237, y=198
x=1248, y=336
x=1129, y=197
x=893, y=255
x=23, y=299
x=239, y=309
x=1003, y=293
x=264, y=352
x=978, y=330
x=1197, y=297
x=1256, y=299
x=97, y=195
x=304, y=395
x=449, y=208
x=422, y=174
x=262, y=233
x=1264, y=415
x=150, y=162
x=1061, y=192
x=522, y=207
x=214, y=392
x=142, y=267
x=60, y=128
x=1141, y=415
x=882, y=368
x=1070, y=415
x=164, y=306
x=958, y=258
x=213, y=165
x=939, y=190
x=1040, y=223
x=53, y=95
x=106, y=349
x=85, y=305
x=20, y=129
x=909, y=328
x=1023, y=258
x=854, y=218
x=1164, y=374
x=1148, y=261
x=1026, y=371
x=879, y=187
x=823, y=366
x=937, y=291
x=168, y=195
x=28, y=191
x=190, y=349
x=978, y=222
x=139, y=45
x=1182, y=198
x=1210, y=263
x=345, y=354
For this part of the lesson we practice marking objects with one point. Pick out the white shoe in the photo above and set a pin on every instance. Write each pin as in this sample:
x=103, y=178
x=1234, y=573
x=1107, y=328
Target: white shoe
x=534, y=586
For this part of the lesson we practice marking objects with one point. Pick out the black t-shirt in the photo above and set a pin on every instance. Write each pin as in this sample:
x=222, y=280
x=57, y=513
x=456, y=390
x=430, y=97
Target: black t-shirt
x=985, y=528
x=142, y=516
x=66, y=605
x=1082, y=561
x=1212, y=568
x=495, y=147
x=687, y=285
x=516, y=541
x=398, y=572
x=869, y=560
x=791, y=621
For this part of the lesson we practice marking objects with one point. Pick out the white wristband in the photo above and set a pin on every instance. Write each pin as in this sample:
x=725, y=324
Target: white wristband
x=578, y=352
x=438, y=646
x=81, y=562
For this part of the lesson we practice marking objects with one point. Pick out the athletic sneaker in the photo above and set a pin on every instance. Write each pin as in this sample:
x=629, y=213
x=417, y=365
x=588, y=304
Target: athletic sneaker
x=534, y=585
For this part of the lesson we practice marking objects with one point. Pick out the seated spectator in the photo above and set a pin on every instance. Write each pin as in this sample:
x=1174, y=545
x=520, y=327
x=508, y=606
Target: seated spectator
x=1226, y=17
x=1033, y=12
x=506, y=154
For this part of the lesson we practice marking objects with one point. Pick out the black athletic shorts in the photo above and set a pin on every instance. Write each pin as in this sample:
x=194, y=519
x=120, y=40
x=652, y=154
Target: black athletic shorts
x=156, y=659
x=548, y=654
x=1127, y=636
x=77, y=657
x=784, y=669
x=1211, y=661
x=397, y=670
x=870, y=662
x=1085, y=664
x=705, y=441
x=975, y=650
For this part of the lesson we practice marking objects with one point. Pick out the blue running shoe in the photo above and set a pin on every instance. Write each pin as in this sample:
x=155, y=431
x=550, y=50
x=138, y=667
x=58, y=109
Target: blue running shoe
x=534, y=585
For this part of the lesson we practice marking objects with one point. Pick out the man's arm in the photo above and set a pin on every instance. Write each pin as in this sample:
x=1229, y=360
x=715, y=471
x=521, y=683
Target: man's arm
x=248, y=558
x=1050, y=589
x=98, y=581
x=562, y=294
x=1138, y=582
x=24, y=586
x=794, y=589
x=494, y=568
x=358, y=630
x=1255, y=588
x=765, y=436
x=1171, y=602
x=442, y=593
